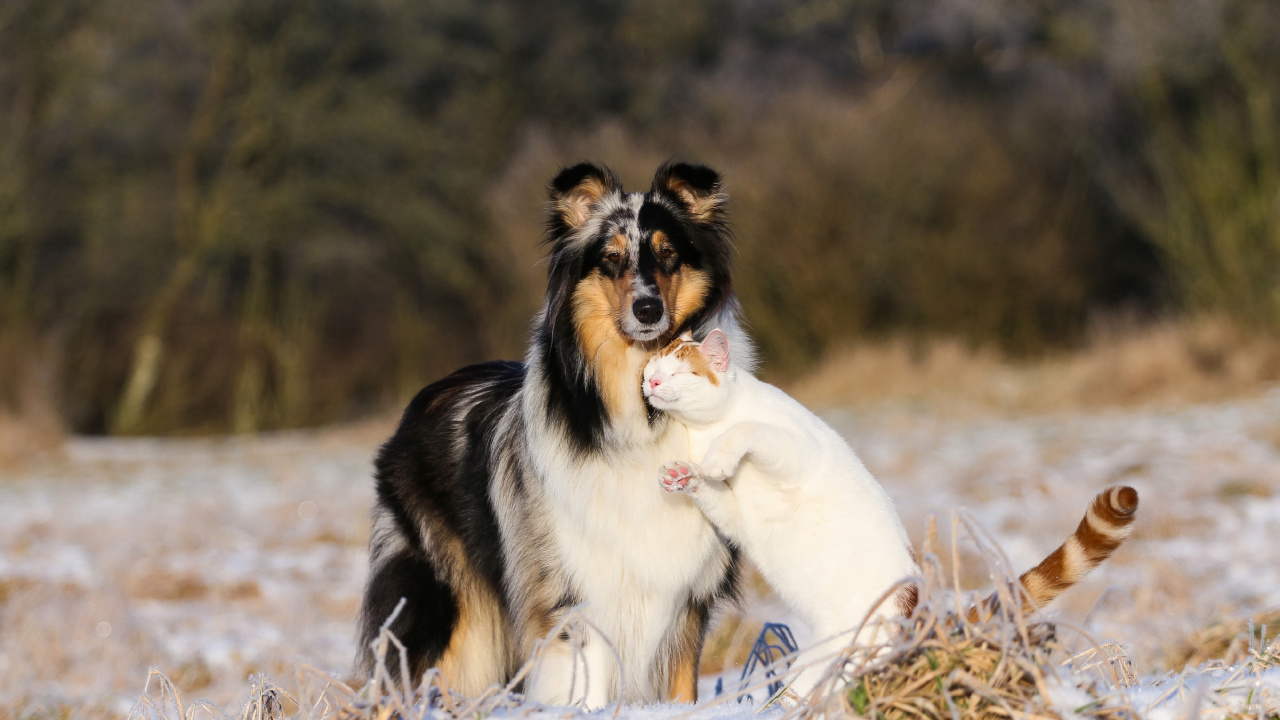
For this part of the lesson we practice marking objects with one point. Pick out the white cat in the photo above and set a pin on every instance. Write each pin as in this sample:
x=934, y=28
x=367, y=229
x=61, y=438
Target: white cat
x=786, y=489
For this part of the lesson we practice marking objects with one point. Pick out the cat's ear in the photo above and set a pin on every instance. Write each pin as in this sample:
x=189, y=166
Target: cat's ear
x=716, y=349
x=686, y=336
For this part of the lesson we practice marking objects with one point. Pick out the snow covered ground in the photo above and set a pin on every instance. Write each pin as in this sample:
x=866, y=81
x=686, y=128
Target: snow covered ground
x=216, y=559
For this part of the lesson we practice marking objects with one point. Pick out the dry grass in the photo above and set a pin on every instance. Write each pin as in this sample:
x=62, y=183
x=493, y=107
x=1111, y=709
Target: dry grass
x=1228, y=641
x=1122, y=365
x=29, y=429
x=25, y=437
x=318, y=695
x=944, y=662
x=29, y=423
x=955, y=657
x=950, y=661
x=954, y=671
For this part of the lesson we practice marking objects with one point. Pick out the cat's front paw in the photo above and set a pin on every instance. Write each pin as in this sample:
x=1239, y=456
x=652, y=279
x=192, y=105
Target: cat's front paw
x=719, y=465
x=678, y=477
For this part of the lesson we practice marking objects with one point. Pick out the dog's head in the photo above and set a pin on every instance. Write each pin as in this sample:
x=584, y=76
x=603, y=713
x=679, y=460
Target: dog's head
x=647, y=264
x=627, y=270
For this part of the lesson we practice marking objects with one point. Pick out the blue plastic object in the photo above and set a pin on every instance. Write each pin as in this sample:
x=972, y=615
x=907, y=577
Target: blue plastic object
x=774, y=643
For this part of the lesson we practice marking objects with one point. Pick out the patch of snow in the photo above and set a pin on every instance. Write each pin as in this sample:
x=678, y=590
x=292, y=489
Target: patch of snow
x=196, y=554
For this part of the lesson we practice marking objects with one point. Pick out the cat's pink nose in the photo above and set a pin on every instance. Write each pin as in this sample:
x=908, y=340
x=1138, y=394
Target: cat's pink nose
x=654, y=381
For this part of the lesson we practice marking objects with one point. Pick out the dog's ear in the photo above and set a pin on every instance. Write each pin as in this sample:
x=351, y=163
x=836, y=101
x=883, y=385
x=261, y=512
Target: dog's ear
x=575, y=190
x=695, y=187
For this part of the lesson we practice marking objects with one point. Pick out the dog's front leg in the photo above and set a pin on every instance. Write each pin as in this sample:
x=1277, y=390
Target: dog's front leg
x=682, y=684
x=575, y=668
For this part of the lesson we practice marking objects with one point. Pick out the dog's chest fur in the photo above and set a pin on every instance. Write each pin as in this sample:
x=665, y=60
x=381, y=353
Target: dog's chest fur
x=632, y=554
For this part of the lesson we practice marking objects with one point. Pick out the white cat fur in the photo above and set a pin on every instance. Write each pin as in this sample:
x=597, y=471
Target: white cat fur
x=789, y=491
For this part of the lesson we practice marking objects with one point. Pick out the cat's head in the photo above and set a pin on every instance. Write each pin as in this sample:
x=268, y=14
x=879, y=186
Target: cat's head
x=689, y=379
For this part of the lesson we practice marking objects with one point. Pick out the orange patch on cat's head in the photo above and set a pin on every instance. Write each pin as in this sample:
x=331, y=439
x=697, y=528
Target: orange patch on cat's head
x=687, y=350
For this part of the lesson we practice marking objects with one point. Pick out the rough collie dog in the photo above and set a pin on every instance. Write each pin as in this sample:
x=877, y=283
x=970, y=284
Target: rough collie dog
x=513, y=492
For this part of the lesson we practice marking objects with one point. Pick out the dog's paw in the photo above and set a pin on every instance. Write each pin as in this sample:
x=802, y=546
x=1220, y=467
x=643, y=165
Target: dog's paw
x=678, y=477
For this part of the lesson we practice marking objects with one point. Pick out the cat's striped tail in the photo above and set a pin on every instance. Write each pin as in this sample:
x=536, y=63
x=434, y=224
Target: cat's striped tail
x=1106, y=524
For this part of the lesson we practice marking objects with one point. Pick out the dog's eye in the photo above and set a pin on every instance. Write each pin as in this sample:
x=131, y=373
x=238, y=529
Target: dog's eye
x=613, y=256
x=667, y=252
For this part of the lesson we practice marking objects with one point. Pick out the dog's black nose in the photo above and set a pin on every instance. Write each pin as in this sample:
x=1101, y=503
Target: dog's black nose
x=648, y=310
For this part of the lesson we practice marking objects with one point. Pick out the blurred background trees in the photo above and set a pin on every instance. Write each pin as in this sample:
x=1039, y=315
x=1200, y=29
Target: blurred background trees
x=255, y=214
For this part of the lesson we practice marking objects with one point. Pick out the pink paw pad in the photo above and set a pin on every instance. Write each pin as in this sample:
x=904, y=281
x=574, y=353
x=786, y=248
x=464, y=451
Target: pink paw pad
x=675, y=477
